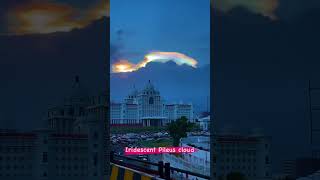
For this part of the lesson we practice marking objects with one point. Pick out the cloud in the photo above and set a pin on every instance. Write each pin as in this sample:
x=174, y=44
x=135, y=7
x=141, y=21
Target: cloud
x=172, y=80
x=99, y=10
x=123, y=66
x=264, y=7
x=42, y=18
x=163, y=57
x=48, y=16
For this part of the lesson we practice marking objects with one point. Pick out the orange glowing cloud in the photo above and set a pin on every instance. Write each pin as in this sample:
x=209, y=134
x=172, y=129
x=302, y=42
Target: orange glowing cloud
x=178, y=58
x=41, y=18
x=123, y=66
x=264, y=7
x=47, y=17
x=99, y=10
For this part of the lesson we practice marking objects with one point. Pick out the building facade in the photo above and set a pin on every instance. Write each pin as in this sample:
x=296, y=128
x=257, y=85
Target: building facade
x=70, y=146
x=248, y=155
x=204, y=123
x=147, y=108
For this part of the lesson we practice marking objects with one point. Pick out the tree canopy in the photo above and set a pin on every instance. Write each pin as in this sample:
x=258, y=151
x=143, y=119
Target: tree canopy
x=178, y=129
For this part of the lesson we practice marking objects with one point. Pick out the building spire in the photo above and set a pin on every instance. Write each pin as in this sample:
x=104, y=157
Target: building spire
x=76, y=83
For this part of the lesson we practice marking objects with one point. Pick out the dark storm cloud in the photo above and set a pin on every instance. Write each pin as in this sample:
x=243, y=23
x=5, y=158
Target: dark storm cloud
x=292, y=9
x=35, y=16
x=283, y=9
x=263, y=7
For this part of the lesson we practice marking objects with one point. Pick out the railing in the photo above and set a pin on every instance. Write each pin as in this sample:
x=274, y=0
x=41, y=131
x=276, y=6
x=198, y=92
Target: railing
x=163, y=170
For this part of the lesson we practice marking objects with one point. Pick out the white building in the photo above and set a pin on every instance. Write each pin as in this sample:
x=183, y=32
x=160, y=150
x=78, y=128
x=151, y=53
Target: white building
x=70, y=147
x=204, y=123
x=198, y=162
x=176, y=111
x=147, y=108
x=116, y=113
x=248, y=155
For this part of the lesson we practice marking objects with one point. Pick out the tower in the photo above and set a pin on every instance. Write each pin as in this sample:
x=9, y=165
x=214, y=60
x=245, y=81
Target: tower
x=150, y=107
x=98, y=137
x=42, y=165
x=61, y=118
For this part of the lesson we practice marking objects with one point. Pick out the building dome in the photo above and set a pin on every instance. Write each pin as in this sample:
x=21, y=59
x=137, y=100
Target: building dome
x=149, y=89
x=134, y=92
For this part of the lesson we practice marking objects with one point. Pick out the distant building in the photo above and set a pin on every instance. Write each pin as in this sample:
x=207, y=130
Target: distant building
x=204, y=123
x=71, y=146
x=248, y=155
x=176, y=111
x=146, y=108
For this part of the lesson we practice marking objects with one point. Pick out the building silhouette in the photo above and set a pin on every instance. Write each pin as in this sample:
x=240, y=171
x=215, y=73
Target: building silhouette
x=72, y=145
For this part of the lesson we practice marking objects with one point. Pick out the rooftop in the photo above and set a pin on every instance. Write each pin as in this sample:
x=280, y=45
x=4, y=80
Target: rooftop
x=199, y=142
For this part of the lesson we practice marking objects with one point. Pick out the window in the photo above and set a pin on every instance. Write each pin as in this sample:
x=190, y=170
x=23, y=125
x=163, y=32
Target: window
x=267, y=160
x=151, y=101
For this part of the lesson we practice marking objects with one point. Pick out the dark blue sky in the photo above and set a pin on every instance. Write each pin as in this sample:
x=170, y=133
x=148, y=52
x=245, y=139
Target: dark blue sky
x=166, y=25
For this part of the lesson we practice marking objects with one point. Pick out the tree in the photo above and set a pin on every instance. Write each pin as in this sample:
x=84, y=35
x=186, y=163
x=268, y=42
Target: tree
x=179, y=128
x=236, y=176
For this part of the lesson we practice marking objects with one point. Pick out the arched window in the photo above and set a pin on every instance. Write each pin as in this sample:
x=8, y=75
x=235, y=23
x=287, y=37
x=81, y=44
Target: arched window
x=151, y=100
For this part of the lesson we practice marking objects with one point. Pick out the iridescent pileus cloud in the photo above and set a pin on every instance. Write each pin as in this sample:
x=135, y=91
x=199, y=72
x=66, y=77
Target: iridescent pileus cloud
x=50, y=16
x=163, y=57
x=264, y=7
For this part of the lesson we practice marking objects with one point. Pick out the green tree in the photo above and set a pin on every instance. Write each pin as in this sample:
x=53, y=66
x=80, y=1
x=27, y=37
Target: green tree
x=179, y=128
x=236, y=176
